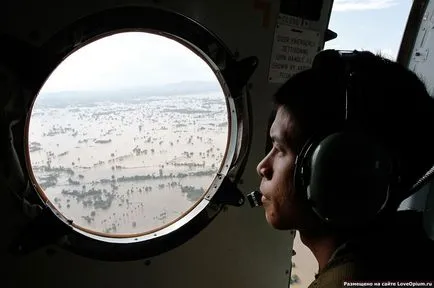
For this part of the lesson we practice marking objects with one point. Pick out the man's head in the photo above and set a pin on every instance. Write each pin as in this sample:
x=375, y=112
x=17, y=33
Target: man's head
x=395, y=109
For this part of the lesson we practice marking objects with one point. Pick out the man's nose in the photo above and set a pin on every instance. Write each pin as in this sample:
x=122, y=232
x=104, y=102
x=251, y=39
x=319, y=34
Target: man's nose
x=262, y=168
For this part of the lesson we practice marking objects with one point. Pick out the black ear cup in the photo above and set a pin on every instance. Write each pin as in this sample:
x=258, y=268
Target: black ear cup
x=345, y=176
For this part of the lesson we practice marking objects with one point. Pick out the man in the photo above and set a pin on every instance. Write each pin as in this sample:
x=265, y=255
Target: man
x=385, y=102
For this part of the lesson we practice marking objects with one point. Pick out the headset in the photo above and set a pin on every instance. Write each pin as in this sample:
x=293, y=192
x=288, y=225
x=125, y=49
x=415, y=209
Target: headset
x=346, y=173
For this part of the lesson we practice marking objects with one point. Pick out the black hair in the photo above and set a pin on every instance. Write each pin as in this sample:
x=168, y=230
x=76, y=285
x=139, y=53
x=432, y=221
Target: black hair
x=396, y=107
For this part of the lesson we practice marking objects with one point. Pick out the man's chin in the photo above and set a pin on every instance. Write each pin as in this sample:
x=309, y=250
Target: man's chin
x=276, y=222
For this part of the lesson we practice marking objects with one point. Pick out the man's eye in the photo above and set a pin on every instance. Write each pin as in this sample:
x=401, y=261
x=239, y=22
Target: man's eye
x=277, y=148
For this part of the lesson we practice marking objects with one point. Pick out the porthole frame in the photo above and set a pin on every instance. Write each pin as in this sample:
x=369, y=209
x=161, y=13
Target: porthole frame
x=232, y=75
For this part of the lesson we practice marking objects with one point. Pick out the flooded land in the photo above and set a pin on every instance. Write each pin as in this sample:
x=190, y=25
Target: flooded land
x=126, y=162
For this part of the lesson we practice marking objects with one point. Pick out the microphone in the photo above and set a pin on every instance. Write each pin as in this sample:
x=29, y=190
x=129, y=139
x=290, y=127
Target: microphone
x=255, y=199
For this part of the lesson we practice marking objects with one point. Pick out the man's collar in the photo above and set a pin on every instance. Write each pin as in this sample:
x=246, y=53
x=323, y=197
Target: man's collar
x=409, y=220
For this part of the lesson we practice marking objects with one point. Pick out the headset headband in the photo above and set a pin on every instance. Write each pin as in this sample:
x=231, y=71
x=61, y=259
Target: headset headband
x=341, y=168
x=343, y=63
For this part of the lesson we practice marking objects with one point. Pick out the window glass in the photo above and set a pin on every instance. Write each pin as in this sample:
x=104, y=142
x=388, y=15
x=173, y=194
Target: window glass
x=374, y=25
x=128, y=133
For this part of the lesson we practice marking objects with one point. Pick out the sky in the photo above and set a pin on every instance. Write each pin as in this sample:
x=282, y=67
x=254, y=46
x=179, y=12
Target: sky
x=128, y=60
x=144, y=59
x=374, y=25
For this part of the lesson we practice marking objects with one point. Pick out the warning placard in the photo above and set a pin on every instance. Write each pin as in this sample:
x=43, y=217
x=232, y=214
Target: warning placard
x=293, y=51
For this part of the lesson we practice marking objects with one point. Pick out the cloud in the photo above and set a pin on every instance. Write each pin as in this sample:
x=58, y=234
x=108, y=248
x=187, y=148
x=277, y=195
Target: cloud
x=127, y=60
x=361, y=5
x=387, y=53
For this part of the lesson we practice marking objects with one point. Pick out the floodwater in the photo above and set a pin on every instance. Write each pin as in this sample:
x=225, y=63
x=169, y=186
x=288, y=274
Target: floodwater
x=130, y=163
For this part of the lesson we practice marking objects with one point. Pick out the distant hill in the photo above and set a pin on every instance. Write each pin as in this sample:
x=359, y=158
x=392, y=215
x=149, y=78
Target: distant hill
x=62, y=98
x=192, y=87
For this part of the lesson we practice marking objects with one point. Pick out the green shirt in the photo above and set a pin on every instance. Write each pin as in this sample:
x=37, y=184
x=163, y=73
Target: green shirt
x=399, y=250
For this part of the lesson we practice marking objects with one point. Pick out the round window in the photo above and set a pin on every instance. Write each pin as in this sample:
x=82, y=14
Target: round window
x=127, y=134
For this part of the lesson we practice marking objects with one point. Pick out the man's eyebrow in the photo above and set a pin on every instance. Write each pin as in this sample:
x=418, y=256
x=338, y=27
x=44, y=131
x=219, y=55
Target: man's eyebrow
x=278, y=139
x=284, y=141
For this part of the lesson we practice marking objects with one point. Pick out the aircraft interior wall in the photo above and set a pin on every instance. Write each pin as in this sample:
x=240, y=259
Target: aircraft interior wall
x=238, y=248
x=421, y=62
